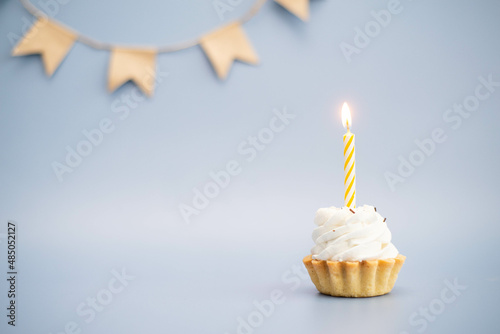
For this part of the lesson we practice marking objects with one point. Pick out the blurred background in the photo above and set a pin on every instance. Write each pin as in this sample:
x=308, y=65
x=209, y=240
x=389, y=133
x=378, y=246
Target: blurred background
x=120, y=209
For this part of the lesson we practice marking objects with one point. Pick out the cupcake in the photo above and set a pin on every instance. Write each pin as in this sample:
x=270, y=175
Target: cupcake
x=353, y=255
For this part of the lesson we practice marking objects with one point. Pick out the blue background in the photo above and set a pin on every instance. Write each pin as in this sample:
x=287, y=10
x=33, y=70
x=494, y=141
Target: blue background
x=119, y=208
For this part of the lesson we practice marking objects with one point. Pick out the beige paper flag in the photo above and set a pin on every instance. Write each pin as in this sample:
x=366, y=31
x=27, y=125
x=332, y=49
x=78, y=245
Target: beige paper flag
x=137, y=65
x=49, y=40
x=299, y=8
x=225, y=45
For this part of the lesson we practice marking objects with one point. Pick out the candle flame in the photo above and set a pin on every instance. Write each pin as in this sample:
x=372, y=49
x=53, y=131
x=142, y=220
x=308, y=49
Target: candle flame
x=346, y=116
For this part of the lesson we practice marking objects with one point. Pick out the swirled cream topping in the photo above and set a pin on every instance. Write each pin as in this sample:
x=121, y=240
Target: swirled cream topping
x=345, y=234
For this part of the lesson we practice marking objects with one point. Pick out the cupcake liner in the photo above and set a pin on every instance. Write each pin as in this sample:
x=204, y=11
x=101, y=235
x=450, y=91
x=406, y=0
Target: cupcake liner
x=354, y=279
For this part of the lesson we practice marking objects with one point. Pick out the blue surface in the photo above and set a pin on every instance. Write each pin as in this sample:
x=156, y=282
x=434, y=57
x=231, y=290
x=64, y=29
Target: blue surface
x=120, y=207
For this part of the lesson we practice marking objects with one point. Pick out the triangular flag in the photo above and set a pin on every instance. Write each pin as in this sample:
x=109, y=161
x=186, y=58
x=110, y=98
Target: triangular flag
x=225, y=45
x=49, y=40
x=137, y=65
x=299, y=8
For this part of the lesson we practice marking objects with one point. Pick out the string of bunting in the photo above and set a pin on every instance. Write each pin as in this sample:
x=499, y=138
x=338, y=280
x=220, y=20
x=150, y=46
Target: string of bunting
x=53, y=40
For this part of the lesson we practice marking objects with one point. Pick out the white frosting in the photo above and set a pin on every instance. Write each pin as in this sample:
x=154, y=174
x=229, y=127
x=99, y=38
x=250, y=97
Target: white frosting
x=345, y=236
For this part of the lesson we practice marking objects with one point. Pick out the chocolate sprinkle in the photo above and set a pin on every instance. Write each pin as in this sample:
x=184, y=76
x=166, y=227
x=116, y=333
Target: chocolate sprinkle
x=352, y=210
x=385, y=219
x=375, y=208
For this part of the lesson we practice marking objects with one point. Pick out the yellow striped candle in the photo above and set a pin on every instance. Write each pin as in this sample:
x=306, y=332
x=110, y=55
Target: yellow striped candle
x=349, y=160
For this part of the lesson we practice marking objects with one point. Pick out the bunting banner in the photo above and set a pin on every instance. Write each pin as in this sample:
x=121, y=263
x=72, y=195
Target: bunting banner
x=53, y=40
x=132, y=64
x=225, y=45
x=299, y=8
x=49, y=40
